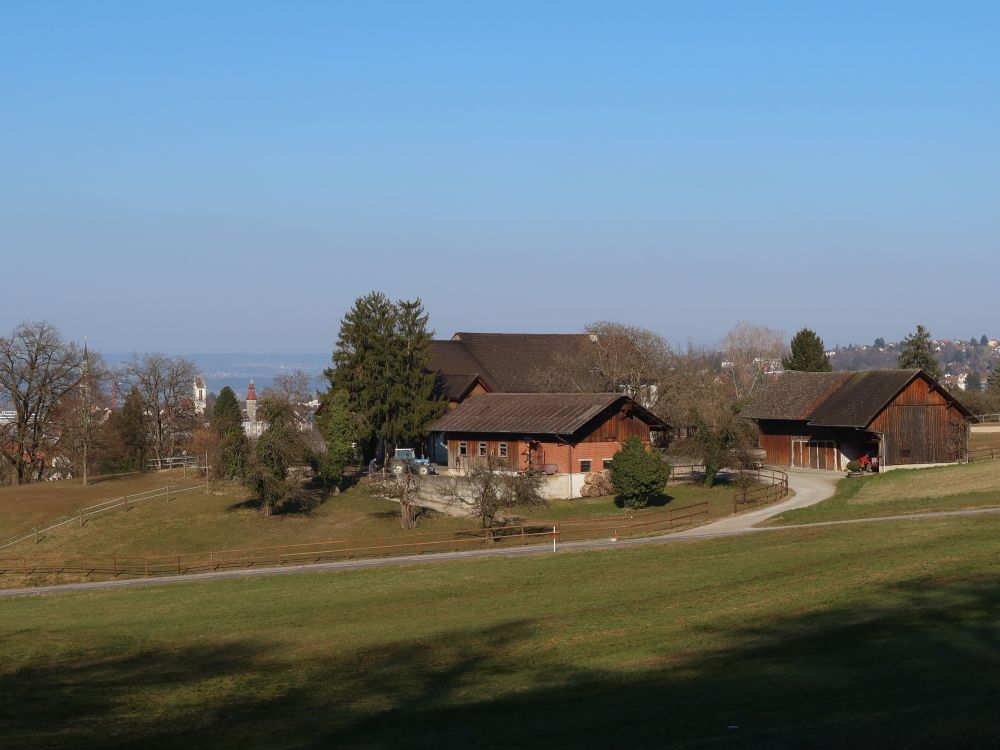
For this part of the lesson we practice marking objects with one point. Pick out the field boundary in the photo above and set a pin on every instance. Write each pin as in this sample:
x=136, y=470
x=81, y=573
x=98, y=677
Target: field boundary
x=92, y=510
x=92, y=567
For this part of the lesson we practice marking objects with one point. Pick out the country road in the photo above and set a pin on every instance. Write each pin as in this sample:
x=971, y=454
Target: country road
x=810, y=488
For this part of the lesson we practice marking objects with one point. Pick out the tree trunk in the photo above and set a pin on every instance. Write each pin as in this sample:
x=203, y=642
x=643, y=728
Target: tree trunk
x=407, y=514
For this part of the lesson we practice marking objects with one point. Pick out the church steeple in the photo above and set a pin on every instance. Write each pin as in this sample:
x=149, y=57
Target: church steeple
x=252, y=404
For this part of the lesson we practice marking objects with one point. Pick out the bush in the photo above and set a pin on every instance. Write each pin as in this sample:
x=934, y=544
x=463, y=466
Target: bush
x=853, y=466
x=638, y=474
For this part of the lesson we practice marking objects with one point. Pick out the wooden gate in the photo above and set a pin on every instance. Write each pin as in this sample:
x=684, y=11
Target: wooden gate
x=815, y=454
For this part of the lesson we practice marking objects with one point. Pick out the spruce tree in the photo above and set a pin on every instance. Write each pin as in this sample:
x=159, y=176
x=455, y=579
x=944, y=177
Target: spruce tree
x=984, y=341
x=880, y=343
x=380, y=362
x=917, y=352
x=807, y=353
x=133, y=432
x=973, y=383
x=226, y=416
x=339, y=428
x=233, y=458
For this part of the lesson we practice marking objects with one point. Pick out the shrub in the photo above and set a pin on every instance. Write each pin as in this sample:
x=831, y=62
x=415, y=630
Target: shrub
x=853, y=466
x=637, y=473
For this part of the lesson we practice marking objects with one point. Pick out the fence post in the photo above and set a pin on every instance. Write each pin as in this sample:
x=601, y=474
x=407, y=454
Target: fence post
x=554, y=533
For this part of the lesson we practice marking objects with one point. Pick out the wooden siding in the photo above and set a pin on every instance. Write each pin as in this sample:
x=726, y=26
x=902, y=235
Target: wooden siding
x=617, y=427
x=920, y=427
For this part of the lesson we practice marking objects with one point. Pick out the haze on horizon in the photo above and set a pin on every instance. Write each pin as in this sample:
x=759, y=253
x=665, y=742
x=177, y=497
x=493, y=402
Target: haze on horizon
x=228, y=177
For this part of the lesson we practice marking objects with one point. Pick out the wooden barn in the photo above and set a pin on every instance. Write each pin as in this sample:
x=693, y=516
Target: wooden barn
x=822, y=420
x=558, y=433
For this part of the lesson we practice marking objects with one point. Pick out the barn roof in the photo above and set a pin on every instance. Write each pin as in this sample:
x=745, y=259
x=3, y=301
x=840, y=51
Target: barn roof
x=514, y=361
x=535, y=413
x=794, y=395
x=835, y=399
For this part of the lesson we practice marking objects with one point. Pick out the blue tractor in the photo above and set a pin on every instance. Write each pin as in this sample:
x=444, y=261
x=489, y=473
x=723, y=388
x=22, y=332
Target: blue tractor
x=405, y=459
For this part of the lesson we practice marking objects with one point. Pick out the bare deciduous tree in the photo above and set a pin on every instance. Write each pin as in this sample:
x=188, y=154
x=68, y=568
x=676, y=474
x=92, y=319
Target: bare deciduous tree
x=493, y=488
x=293, y=387
x=751, y=351
x=37, y=368
x=80, y=416
x=165, y=385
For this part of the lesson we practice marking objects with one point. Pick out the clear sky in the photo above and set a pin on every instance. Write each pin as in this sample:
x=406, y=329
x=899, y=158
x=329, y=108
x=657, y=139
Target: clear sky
x=212, y=176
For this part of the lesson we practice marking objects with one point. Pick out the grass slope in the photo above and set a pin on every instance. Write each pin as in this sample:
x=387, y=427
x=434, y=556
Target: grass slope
x=873, y=636
x=975, y=485
x=194, y=521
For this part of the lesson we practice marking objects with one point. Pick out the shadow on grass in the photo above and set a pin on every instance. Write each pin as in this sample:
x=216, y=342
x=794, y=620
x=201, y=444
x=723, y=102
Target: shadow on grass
x=658, y=501
x=919, y=672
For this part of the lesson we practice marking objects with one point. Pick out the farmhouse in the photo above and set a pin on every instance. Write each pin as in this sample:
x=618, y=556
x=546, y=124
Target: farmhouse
x=822, y=420
x=562, y=434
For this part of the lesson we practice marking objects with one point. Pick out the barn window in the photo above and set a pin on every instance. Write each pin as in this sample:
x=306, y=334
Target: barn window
x=463, y=448
x=904, y=454
x=482, y=449
x=606, y=463
x=502, y=448
x=585, y=465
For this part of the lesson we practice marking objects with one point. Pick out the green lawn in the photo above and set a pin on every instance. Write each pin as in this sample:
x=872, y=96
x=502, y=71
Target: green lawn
x=881, y=635
x=719, y=499
x=975, y=485
x=225, y=519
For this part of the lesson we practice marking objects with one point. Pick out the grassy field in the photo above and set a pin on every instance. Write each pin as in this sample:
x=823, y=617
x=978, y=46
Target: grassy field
x=198, y=522
x=982, y=440
x=867, y=636
x=975, y=485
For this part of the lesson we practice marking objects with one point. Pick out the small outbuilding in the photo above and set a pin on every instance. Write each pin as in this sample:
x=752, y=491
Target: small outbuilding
x=823, y=420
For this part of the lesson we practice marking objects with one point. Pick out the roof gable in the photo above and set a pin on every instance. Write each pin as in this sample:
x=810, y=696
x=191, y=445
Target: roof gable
x=843, y=399
x=535, y=413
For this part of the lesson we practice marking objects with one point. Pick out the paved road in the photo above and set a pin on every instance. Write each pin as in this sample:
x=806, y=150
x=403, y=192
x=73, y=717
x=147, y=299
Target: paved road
x=810, y=488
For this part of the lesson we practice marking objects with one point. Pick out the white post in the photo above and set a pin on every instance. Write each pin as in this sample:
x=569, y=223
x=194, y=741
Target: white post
x=553, y=538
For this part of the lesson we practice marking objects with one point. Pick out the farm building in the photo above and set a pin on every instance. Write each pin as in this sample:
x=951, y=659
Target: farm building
x=565, y=434
x=822, y=420
x=471, y=364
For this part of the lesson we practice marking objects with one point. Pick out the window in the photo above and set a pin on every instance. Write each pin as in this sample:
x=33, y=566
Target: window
x=606, y=463
x=503, y=450
x=482, y=449
x=585, y=465
x=463, y=448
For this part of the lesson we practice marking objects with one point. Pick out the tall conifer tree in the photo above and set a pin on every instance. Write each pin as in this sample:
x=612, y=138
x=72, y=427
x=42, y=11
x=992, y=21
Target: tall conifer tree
x=917, y=352
x=381, y=361
x=807, y=353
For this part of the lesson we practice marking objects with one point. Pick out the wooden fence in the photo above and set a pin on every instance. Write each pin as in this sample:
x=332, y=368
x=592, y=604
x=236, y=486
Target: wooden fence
x=94, y=567
x=980, y=454
x=776, y=488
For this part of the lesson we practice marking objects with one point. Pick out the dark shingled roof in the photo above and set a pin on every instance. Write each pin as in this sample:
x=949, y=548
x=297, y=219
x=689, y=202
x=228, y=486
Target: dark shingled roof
x=834, y=399
x=860, y=399
x=534, y=413
x=510, y=362
x=794, y=395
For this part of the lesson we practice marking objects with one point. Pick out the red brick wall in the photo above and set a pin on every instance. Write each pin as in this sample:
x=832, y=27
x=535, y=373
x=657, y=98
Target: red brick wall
x=561, y=455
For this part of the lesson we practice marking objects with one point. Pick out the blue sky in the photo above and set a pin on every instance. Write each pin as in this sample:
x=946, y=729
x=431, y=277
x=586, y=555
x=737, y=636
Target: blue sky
x=192, y=176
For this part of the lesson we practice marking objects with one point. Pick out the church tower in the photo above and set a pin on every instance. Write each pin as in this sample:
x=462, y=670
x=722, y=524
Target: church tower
x=252, y=407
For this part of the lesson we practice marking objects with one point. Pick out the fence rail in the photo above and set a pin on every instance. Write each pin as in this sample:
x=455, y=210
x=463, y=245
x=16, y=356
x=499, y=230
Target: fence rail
x=776, y=488
x=172, y=462
x=80, y=515
x=980, y=454
x=91, y=567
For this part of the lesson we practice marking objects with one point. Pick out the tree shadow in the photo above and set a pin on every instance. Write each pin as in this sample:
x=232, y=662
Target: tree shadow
x=918, y=672
x=659, y=500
